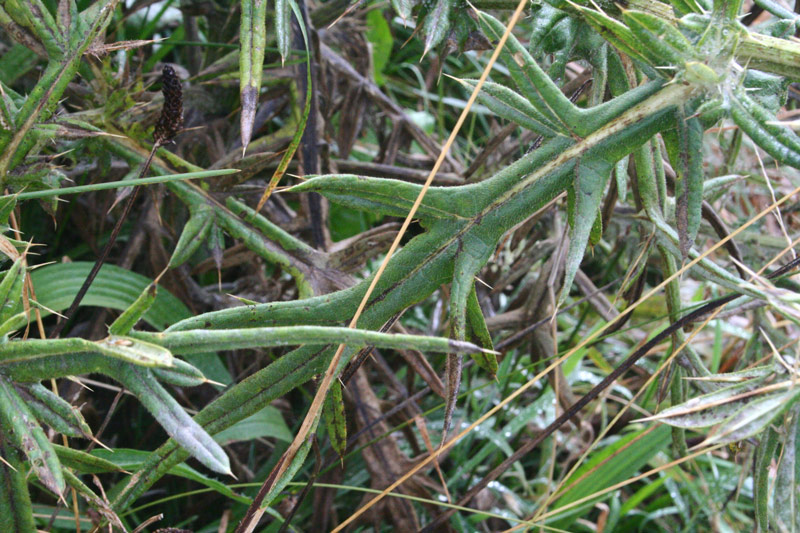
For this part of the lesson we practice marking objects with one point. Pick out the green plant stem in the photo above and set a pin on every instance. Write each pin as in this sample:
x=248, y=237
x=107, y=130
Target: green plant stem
x=79, y=189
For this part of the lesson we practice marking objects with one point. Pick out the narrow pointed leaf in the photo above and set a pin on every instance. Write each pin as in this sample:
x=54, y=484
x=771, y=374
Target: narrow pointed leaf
x=131, y=316
x=134, y=351
x=532, y=81
x=20, y=427
x=199, y=340
x=252, y=37
x=685, y=149
x=386, y=196
x=171, y=416
x=85, y=463
x=96, y=502
x=181, y=374
x=11, y=290
x=753, y=417
x=471, y=256
x=437, y=24
x=16, y=512
x=479, y=334
x=712, y=408
x=590, y=184
x=194, y=233
x=763, y=481
x=55, y=411
x=787, y=481
x=760, y=134
x=283, y=28
x=335, y=420
x=512, y=106
x=662, y=38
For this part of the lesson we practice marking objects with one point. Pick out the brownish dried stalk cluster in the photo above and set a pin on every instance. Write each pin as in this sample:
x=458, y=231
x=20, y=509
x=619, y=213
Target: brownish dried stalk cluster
x=171, y=119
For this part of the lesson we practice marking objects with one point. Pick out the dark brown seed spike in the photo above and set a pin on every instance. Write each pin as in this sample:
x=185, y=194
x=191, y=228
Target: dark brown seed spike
x=171, y=119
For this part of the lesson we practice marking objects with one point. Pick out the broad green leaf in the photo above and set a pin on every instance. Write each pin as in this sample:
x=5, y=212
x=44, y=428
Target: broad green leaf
x=266, y=423
x=379, y=36
x=115, y=288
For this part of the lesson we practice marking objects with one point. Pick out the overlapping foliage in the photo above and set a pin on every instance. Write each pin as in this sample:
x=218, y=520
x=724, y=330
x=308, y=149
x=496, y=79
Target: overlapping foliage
x=661, y=75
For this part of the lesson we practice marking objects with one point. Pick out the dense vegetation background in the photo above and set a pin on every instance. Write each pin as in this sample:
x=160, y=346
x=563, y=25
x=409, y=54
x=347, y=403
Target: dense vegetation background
x=620, y=193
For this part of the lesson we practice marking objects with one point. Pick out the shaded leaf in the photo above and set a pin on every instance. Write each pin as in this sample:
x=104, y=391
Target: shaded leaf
x=335, y=420
x=590, y=184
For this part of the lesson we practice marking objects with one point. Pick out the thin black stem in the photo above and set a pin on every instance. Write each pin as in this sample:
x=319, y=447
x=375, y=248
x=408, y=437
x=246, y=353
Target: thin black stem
x=106, y=249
